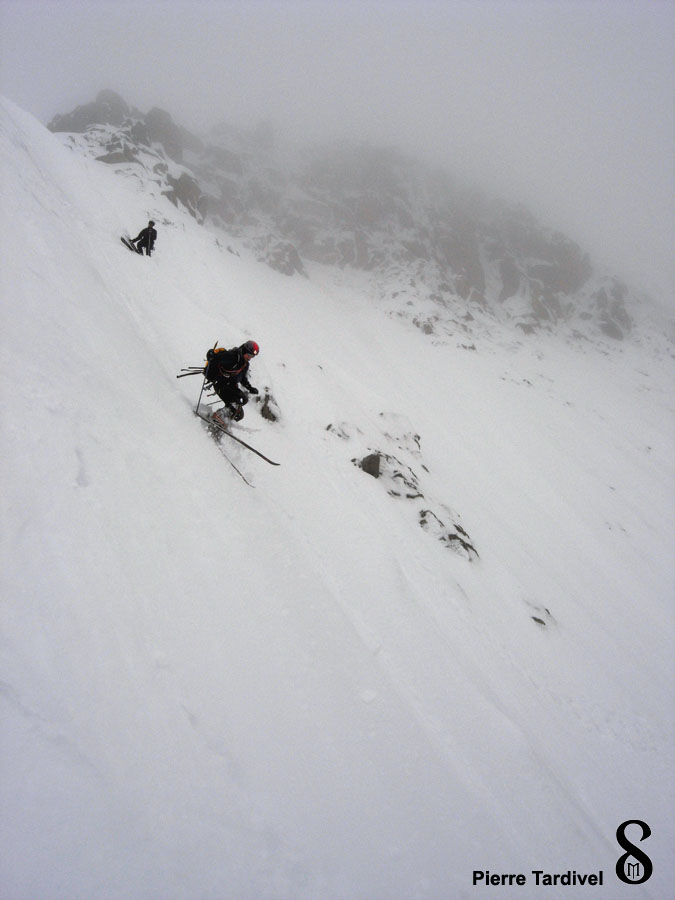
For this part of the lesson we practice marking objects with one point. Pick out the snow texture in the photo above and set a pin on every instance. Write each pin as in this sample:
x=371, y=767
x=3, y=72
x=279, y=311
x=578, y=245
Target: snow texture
x=295, y=691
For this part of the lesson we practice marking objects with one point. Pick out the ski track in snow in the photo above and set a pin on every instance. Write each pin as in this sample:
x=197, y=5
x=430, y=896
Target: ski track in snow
x=297, y=692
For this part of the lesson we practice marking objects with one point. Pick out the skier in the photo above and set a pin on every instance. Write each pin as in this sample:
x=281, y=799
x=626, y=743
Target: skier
x=226, y=370
x=146, y=239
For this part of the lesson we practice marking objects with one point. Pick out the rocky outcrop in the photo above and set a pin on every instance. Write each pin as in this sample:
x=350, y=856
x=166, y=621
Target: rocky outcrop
x=185, y=190
x=611, y=309
x=281, y=255
x=108, y=109
x=396, y=463
x=175, y=139
x=397, y=472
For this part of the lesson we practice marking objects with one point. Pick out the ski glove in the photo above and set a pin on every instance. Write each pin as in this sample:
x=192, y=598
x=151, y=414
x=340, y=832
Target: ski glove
x=249, y=387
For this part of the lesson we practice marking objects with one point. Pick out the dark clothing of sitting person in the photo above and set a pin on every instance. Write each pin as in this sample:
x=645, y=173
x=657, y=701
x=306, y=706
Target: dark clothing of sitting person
x=146, y=239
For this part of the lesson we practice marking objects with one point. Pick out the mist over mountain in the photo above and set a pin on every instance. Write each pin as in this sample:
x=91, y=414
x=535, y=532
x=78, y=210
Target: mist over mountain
x=440, y=252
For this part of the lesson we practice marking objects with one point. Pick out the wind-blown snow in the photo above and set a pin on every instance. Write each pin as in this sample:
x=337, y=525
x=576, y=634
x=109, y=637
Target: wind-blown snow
x=294, y=691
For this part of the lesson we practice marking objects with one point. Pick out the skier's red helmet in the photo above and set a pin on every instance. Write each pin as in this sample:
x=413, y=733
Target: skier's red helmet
x=250, y=348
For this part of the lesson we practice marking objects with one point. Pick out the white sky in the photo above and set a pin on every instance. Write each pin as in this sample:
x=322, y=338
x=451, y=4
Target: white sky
x=567, y=106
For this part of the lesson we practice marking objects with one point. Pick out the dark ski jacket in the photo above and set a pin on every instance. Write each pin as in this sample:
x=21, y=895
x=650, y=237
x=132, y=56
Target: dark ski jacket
x=227, y=367
x=146, y=238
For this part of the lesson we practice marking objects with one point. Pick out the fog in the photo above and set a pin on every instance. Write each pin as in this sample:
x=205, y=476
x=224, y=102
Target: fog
x=564, y=106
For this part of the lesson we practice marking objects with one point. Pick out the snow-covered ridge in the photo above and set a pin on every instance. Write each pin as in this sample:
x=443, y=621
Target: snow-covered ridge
x=463, y=262
x=302, y=690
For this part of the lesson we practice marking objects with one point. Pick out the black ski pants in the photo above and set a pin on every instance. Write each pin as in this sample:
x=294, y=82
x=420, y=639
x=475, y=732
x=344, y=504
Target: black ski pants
x=230, y=393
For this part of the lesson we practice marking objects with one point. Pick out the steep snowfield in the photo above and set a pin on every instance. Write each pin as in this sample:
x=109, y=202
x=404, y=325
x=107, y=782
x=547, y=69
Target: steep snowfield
x=292, y=690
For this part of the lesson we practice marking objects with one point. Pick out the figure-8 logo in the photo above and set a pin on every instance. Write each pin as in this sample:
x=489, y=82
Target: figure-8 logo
x=634, y=867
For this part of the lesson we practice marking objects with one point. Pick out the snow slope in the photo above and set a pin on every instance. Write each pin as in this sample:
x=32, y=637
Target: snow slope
x=294, y=691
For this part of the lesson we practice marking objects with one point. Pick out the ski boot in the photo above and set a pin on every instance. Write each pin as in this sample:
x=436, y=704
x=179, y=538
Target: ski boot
x=226, y=413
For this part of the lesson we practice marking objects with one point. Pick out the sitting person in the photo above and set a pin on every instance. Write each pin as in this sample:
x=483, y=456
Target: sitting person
x=146, y=239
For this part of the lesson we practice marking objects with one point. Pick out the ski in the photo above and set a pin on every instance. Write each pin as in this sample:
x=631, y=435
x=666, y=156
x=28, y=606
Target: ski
x=237, y=439
x=127, y=243
x=224, y=454
x=240, y=474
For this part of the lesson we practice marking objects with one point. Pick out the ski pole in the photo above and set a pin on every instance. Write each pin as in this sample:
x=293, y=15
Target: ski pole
x=203, y=383
x=200, y=397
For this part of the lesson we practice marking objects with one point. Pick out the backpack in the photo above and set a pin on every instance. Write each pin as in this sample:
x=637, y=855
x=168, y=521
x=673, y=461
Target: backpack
x=222, y=363
x=210, y=369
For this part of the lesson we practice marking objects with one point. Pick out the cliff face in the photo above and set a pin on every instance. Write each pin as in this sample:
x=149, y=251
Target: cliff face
x=415, y=232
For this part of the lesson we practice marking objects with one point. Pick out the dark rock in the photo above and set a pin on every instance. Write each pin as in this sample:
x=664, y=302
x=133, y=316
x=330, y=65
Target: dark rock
x=268, y=407
x=510, y=279
x=139, y=133
x=371, y=464
x=108, y=109
x=454, y=538
x=162, y=129
x=119, y=156
x=611, y=329
x=282, y=256
x=186, y=190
